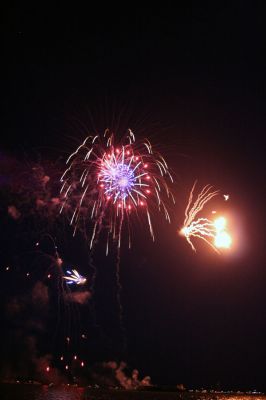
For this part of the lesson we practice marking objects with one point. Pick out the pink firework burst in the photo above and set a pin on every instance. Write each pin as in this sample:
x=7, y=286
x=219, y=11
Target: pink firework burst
x=109, y=182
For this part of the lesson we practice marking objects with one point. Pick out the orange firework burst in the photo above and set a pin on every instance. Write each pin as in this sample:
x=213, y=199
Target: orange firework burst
x=212, y=232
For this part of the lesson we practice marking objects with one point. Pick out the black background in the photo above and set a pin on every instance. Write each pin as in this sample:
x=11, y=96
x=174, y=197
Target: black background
x=193, y=80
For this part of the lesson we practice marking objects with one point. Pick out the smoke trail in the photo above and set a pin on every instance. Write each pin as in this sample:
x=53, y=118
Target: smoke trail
x=119, y=303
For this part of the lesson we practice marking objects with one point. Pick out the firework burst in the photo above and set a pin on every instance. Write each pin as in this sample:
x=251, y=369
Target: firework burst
x=73, y=276
x=108, y=183
x=212, y=232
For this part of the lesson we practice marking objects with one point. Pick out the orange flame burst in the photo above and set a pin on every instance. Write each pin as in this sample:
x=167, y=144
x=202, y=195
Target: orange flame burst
x=212, y=232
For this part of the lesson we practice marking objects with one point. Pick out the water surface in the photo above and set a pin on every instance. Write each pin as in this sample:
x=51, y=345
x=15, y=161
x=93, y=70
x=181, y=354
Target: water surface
x=42, y=392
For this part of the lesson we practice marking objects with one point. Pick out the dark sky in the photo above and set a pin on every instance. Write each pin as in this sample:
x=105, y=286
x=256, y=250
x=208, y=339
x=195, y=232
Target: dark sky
x=192, y=79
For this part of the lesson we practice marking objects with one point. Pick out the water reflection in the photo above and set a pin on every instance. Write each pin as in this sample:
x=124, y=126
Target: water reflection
x=60, y=393
x=219, y=396
x=38, y=392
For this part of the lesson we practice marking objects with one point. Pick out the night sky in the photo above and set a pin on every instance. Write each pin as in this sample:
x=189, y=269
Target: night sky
x=193, y=81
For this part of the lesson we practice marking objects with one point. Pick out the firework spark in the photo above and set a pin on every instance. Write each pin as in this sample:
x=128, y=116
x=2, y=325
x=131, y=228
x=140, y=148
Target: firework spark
x=212, y=232
x=74, y=277
x=222, y=238
x=107, y=183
